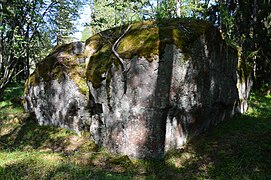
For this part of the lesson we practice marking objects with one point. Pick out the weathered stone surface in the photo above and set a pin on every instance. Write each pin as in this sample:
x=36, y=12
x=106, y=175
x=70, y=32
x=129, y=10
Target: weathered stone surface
x=185, y=83
x=57, y=92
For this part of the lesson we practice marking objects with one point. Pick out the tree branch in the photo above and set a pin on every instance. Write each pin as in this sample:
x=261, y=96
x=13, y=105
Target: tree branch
x=42, y=16
x=114, y=47
x=123, y=65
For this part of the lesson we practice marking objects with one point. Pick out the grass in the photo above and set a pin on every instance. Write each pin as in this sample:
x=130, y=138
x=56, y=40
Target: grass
x=239, y=148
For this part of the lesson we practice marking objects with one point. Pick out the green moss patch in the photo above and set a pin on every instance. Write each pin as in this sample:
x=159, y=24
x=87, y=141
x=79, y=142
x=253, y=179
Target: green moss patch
x=53, y=67
x=149, y=38
x=141, y=40
x=98, y=65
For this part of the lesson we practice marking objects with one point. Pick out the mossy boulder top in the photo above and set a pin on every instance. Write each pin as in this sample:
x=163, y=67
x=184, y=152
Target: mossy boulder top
x=144, y=39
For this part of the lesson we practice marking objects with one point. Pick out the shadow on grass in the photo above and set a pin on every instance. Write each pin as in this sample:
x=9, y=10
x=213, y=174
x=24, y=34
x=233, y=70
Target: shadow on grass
x=24, y=134
x=239, y=148
x=53, y=166
x=28, y=135
x=32, y=169
x=236, y=149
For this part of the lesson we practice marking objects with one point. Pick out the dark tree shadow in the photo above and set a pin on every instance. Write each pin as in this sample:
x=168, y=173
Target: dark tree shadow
x=239, y=148
x=28, y=135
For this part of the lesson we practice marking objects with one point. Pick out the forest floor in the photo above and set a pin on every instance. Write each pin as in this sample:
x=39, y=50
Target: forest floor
x=239, y=148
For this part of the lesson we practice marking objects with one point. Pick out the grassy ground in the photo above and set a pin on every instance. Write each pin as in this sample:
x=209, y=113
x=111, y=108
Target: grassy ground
x=236, y=149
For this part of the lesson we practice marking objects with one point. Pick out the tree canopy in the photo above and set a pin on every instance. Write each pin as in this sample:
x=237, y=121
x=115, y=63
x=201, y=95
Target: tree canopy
x=30, y=28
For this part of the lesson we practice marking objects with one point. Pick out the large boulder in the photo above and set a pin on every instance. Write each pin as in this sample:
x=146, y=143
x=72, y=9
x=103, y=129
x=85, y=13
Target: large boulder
x=162, y=83
x=57, y=91
x=181, y=80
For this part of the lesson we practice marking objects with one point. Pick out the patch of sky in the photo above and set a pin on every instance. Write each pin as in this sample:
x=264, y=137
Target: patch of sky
x=81, y=22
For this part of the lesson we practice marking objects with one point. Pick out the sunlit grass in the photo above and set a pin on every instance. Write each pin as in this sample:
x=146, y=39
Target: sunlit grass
x=12, y=157
x=236, y=149
x=260, y=105
x=35, y=165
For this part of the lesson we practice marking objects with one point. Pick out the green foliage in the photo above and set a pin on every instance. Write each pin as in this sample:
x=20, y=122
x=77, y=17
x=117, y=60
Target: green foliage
x=62, y=18
x=12, y=95
x=166, y=9
x=169, y=9
x=252, y=33
x=227, y=24
x=108, y=14
x=86, y=33
x=28, y=29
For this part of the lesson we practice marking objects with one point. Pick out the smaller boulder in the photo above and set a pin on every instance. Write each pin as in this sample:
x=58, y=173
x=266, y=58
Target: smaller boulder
x=57, y=92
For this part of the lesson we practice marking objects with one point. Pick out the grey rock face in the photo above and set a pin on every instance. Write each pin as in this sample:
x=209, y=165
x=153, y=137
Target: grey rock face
x=58, y=103
x=167, y=101
x=78, y=48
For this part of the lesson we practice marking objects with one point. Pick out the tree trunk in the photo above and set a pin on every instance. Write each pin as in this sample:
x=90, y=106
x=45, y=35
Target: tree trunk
x=1, y=94
x=1, y=42
x=27, y=61
x=1, y=54
x=178, y=8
